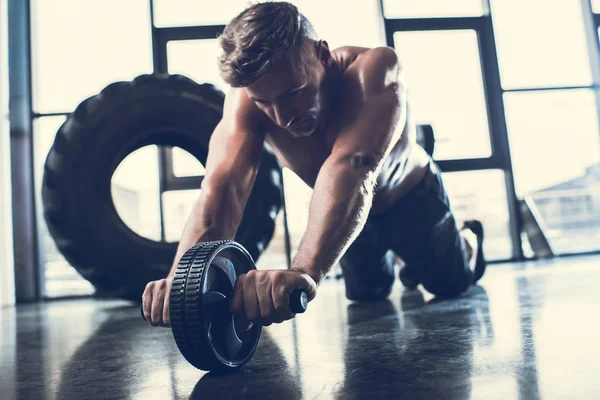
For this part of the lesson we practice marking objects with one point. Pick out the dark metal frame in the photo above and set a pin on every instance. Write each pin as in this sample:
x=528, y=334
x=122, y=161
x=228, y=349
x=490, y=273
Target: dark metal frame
x=29, y=279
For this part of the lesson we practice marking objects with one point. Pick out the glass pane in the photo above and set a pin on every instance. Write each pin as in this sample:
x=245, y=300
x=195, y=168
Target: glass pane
x=79, y=47
x=274, y=256
x=432, y=8
x=135, y=192
x=297, y=197
x=177, y=206
x=556, y=161
x=185, y=164
x=482, y=195
x=541, y=45
x=196, y=59
x=194, y=12
x=439, y=65
x=61, y=278
x=354, y=13
x=596, y=6
x=356, y=23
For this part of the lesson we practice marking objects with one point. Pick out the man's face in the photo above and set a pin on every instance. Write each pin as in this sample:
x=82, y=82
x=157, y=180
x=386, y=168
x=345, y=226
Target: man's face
x=290, y=93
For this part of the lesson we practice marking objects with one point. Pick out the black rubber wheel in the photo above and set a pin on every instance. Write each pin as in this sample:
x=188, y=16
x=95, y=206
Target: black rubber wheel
x=190, y=320
x=159, y=109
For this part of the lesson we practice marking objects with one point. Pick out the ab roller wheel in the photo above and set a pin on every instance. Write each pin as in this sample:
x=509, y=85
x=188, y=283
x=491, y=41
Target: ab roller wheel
x=201, y=292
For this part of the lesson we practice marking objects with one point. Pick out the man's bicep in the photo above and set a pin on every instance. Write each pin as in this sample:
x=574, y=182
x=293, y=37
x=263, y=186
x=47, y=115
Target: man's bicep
x=367, y=140
x=233, y=157
x=236, y=144
x=376, y=126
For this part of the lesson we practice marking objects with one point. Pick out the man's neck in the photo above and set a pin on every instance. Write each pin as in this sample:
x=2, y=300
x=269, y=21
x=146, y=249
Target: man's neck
x=331, y=91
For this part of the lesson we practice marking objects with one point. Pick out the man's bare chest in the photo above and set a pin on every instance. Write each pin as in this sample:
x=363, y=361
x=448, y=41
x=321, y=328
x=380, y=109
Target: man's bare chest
x=304, y=156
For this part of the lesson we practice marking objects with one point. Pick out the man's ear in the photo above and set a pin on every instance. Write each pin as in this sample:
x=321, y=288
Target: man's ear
x=323, y=52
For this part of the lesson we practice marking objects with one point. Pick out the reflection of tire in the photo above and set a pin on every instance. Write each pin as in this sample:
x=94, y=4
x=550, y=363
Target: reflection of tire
x=167, y=110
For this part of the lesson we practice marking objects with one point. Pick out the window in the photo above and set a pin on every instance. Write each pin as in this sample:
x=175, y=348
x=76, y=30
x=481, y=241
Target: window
x=79, y=47
x=351, y=23
x=596, y=6
x=135, y=192
x=61, y=278
x=194, y=12
x=354, y=13
x=196, y=59
x=432, y=8
x=445, y=89
x=177, y=206
x=482, y=195
x=556, y=161
x=298, y=195
x=541, y=45
x=185, y=164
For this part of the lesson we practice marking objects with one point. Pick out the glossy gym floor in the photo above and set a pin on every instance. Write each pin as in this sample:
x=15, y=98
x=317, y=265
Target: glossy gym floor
x=528, y=331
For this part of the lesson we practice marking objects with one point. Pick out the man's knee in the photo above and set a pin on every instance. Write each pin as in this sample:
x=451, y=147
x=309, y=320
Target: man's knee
x=448, y=288
x=372, y=280
x=373, y=270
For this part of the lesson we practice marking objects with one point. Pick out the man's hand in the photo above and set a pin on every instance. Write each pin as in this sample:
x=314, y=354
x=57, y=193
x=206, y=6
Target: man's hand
x=155, y=302
x=263, y=297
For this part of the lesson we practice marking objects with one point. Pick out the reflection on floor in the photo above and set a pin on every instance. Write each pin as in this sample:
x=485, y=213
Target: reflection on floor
x=528, y=331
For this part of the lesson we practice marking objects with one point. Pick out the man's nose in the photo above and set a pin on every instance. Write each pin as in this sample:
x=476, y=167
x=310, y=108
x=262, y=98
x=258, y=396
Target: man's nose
x=283, y=117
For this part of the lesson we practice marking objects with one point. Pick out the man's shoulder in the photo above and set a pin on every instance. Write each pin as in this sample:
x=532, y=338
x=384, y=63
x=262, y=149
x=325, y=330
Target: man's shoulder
x=239, y=109
x=374, y=70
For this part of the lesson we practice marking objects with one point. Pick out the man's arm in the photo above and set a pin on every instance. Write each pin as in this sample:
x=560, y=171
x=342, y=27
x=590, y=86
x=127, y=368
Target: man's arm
x=343, y=192
x=234, y=155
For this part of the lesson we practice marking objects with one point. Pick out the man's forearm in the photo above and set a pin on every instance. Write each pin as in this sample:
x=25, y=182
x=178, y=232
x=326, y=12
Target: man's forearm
x=336, y=217
x=200, y=228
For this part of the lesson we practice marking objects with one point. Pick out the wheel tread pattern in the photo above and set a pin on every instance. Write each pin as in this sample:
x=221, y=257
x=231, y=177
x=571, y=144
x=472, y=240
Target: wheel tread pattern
x=186, y=291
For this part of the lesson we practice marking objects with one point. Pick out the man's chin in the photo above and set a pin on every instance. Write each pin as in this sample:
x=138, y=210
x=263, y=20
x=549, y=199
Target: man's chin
x=300, y=134
x=307, y=131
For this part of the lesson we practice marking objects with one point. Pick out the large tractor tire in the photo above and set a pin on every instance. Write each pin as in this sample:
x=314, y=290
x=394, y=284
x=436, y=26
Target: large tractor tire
x=158, y=109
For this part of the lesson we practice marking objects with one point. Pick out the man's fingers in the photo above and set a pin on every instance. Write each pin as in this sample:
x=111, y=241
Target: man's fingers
x=166, y=309
x=147, y=300
x=281, y=302
x=264, y=296
x=302, y=280
x=251, y=304
x=158, y=300
x=237, y=305
x=265, y=301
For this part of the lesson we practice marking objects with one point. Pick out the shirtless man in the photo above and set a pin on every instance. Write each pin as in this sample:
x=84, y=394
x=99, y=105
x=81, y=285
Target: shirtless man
x=340, y=120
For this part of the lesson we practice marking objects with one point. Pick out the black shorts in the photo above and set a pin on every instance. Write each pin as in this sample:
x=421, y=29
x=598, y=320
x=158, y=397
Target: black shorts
x=421, y=229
